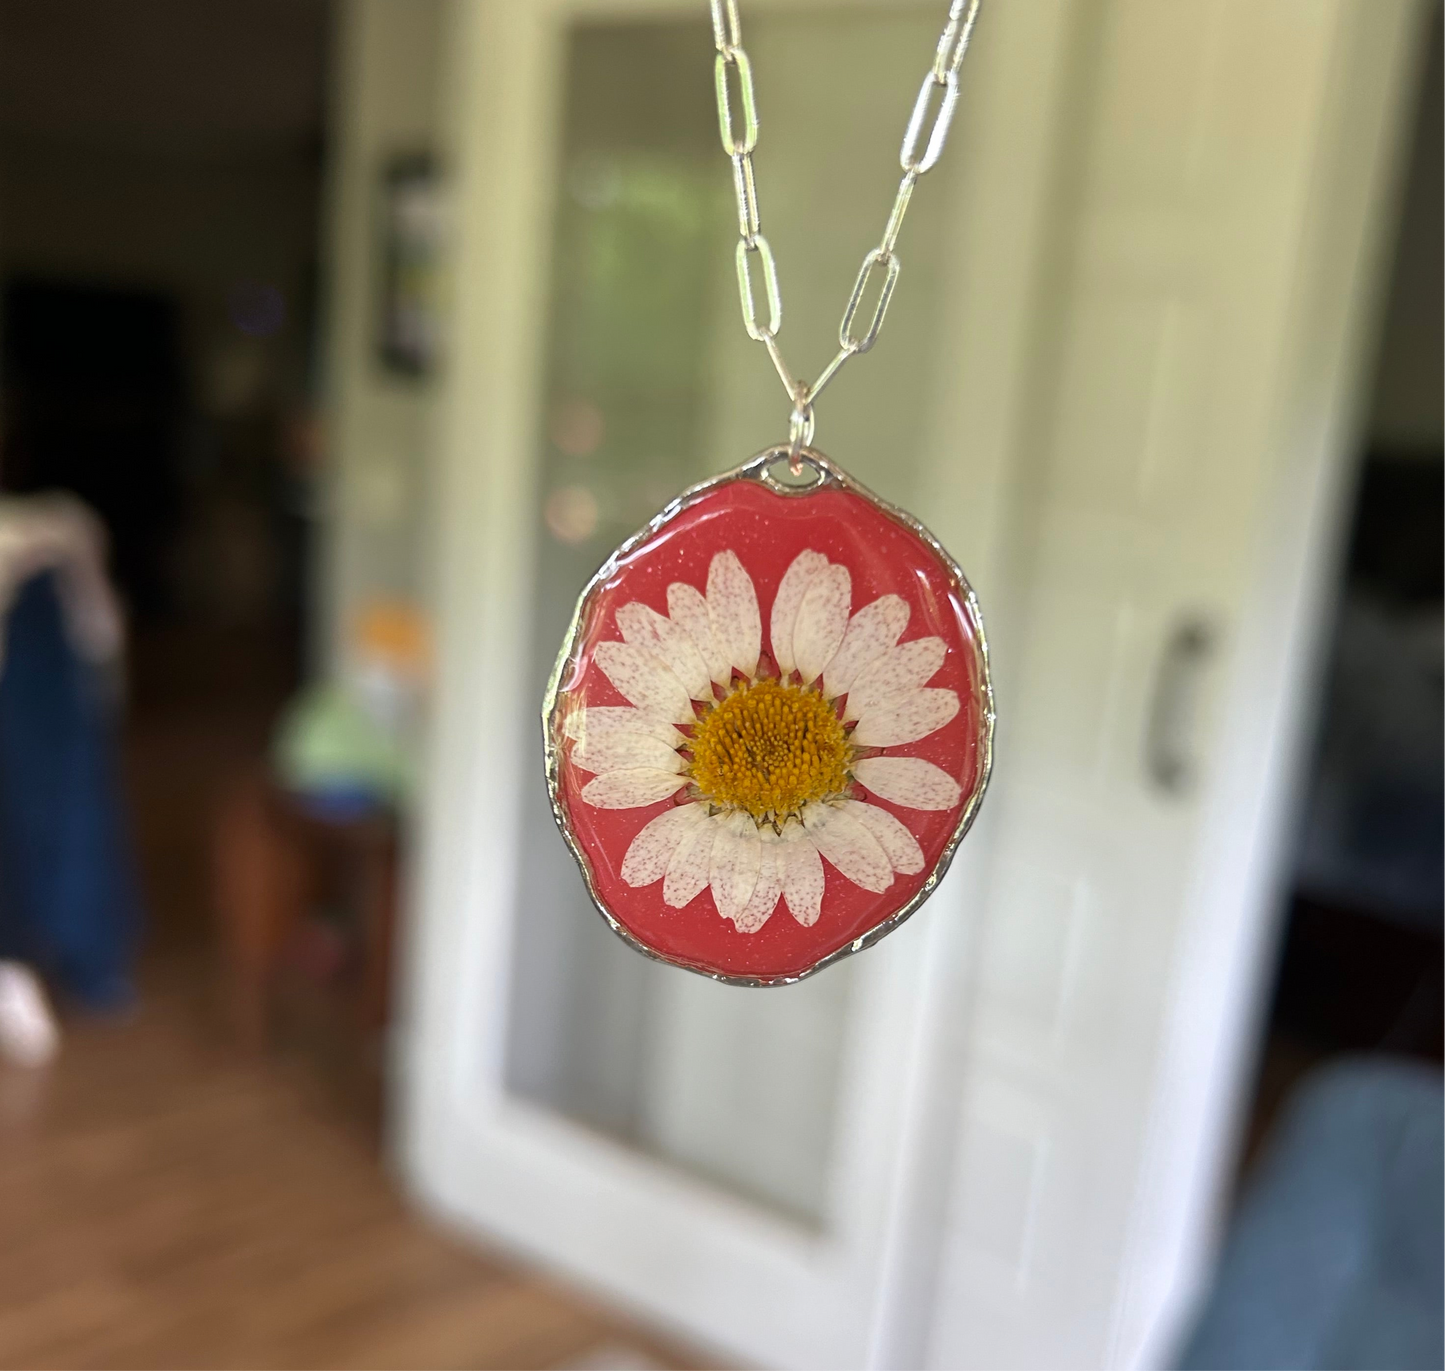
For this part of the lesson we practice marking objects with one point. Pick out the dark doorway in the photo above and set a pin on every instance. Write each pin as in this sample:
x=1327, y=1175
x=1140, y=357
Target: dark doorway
x=161, y=171
x=1360, y=967
x=95, y=405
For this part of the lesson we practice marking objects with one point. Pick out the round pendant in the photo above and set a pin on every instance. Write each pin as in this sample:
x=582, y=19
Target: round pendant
x=770, y=724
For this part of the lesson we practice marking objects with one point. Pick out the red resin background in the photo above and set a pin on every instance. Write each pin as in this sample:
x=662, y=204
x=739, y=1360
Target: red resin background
x=767, y=531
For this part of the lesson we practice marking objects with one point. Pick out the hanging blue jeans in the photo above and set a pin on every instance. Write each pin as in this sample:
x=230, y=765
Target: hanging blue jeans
x=69, y=903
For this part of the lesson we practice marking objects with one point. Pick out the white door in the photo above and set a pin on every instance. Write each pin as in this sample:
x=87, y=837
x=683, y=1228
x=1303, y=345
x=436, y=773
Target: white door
x=1209, y=269
x=995, y=1140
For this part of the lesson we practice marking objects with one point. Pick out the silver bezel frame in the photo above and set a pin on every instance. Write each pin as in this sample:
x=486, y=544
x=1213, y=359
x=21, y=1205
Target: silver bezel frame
x=759, y=470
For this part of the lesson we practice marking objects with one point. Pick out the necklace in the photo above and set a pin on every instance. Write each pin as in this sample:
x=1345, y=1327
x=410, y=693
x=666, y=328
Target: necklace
x=940, y=85
x=770, y=724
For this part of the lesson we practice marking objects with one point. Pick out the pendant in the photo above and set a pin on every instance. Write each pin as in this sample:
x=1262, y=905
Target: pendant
x=770, y=724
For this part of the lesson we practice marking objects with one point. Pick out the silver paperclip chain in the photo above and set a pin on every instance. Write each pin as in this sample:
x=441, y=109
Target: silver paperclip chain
x=738, y=124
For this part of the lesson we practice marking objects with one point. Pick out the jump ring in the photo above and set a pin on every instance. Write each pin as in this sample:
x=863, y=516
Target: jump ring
x=800, y=435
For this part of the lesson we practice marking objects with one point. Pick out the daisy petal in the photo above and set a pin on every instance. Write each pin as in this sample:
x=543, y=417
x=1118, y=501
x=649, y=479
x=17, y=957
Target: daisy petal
x=644, y=627
x=733, y=603
x=643, y=680
x=896, y=672
x=765, y=895
x=795, y=581
x=733, y=871
x=898, y=844
x=631, y=789
x=652, y=849
x=822, y=620
x=687, y=871
x=907, y=781
x=905, y=718
x=871, y=632
x=848, y=846
x=595, y=720
x=688, y=608
x=802, y=872
x=605, y=752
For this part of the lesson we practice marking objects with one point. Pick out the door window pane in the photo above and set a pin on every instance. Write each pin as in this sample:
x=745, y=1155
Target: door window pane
x=651, y=384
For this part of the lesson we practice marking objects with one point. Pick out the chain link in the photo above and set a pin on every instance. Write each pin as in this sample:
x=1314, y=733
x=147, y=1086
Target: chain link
x=933, y=108
x=746, y=249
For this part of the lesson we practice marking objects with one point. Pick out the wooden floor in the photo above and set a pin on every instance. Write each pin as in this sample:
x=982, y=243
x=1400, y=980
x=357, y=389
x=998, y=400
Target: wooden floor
x=167, y=1203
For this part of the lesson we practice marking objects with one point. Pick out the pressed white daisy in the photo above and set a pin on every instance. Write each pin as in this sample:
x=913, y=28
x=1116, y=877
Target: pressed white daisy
x=761, y=754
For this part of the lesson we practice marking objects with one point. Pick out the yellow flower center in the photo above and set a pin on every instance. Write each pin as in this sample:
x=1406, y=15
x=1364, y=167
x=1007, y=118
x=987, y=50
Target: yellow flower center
x=770, y=749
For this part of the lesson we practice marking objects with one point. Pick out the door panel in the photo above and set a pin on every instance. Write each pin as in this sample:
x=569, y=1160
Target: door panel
x=1170, y=343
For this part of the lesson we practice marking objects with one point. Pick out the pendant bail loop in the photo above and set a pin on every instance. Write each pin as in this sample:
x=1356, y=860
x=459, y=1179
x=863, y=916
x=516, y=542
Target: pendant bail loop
x=800, y=434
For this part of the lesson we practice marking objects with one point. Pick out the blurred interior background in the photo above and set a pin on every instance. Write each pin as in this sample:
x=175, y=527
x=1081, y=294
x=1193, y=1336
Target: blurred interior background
x=354, y=334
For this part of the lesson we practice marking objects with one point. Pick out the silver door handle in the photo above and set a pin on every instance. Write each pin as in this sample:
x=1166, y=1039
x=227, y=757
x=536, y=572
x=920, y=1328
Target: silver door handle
x=1169, y=753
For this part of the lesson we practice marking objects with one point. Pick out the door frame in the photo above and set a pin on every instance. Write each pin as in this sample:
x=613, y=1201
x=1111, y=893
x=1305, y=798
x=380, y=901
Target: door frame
x=861, y=1292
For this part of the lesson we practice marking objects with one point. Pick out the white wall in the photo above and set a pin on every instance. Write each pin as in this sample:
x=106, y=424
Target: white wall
x=386, y=104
